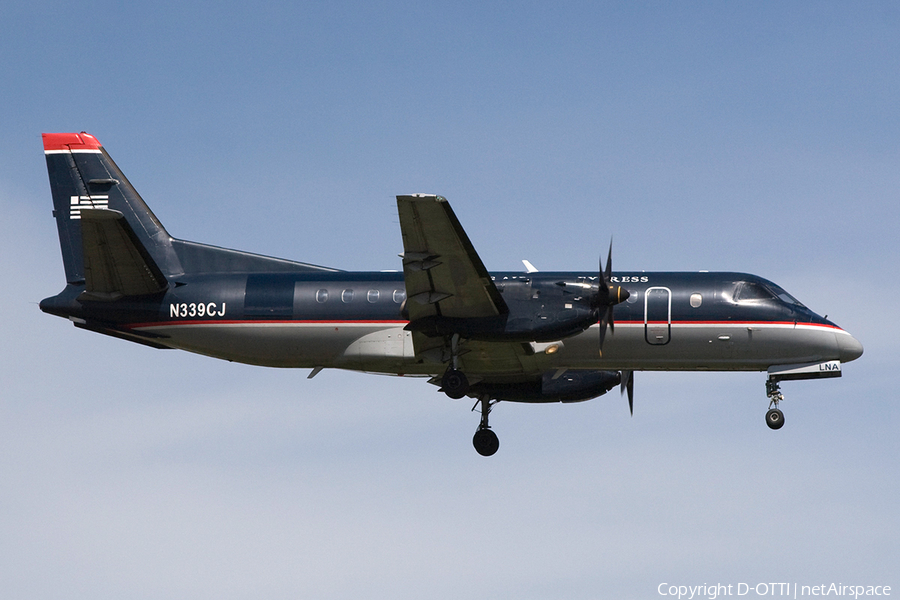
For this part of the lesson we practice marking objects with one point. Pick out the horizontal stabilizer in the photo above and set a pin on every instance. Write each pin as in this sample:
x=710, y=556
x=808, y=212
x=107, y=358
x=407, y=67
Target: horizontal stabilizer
x=142, y=338
x=116, y=264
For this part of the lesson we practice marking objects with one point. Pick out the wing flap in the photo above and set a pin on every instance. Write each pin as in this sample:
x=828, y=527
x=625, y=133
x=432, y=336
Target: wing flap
x=116, y=264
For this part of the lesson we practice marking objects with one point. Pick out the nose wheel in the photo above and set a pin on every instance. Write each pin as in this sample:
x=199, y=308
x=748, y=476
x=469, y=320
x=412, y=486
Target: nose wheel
x=774, y=416
x=485, y=441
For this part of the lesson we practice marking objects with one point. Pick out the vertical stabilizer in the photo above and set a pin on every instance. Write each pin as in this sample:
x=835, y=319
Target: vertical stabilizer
x=84, y=179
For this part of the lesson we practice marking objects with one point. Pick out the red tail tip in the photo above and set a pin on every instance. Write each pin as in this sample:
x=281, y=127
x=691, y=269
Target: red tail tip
x=67, y=141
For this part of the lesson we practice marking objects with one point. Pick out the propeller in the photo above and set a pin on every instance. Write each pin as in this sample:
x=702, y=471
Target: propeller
x=628, y=386
x=608, y=295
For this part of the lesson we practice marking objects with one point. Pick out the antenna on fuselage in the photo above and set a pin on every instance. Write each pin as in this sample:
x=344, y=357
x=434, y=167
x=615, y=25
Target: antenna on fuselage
x=529, y=268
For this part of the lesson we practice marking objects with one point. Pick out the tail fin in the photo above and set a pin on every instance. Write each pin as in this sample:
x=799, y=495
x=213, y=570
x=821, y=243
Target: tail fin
x=112, y=243
x=110, y=239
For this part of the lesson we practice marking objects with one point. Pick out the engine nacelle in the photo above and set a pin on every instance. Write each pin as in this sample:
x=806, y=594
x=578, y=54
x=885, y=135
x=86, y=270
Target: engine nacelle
x=570, y=386
x=538, y=312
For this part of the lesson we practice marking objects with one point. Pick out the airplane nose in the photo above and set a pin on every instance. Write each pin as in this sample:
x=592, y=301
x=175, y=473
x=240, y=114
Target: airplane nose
x=848, y=346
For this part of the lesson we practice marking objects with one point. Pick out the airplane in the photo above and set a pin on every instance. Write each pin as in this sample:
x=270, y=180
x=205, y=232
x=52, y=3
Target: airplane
x=530, y=336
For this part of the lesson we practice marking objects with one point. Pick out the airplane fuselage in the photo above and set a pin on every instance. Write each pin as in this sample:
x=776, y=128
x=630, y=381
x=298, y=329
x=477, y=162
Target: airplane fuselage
x=671, y=321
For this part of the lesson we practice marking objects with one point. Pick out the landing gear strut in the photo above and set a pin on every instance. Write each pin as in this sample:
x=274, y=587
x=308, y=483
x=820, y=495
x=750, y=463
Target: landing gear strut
x=485, y=441
x=774, y=417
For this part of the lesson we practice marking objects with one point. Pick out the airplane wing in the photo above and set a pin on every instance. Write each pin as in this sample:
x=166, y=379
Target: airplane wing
x=445, y=278
x=444, y=275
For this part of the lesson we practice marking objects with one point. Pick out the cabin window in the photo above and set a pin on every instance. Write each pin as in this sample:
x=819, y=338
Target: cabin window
x=399, y=296
x=372, y=296
x=696, y=300
x=347, y=296
x=322, y=296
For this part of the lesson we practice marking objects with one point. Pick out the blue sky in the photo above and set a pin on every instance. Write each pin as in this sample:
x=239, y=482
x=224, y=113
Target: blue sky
x=721, y=136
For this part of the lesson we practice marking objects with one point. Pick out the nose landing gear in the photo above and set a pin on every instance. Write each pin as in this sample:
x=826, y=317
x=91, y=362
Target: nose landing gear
x=485, y=441
x=774, y=416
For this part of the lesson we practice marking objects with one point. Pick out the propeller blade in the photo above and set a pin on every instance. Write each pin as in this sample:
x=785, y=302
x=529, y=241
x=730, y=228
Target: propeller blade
x=602, y=286
x=603, y=322
x=628, y=386
x=607, y=297
x=608, y=272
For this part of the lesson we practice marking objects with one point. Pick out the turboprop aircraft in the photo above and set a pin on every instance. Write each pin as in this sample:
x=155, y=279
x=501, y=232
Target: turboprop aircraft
x=517, y=336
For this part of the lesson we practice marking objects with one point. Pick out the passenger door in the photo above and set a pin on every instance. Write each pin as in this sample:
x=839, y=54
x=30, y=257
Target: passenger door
x=658, y=315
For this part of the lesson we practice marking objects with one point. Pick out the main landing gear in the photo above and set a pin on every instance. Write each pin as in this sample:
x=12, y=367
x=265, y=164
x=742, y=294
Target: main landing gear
x=485, y=441
x=774, y=417
x=454, y=383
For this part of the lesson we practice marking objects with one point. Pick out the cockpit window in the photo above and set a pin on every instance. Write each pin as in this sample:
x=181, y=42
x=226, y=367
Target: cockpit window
x=785, y=297
x=751, y=290
x=748, y=290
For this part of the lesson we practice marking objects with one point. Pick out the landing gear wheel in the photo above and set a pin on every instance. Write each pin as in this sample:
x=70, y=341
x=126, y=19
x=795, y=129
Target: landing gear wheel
x=455, y=384
x=486, y=442
x=774, y=418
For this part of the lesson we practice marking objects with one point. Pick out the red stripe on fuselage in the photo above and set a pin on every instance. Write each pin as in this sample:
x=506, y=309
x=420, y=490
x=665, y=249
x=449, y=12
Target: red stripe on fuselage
x=396, y=322
x=262, y=322
x=740, y=323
